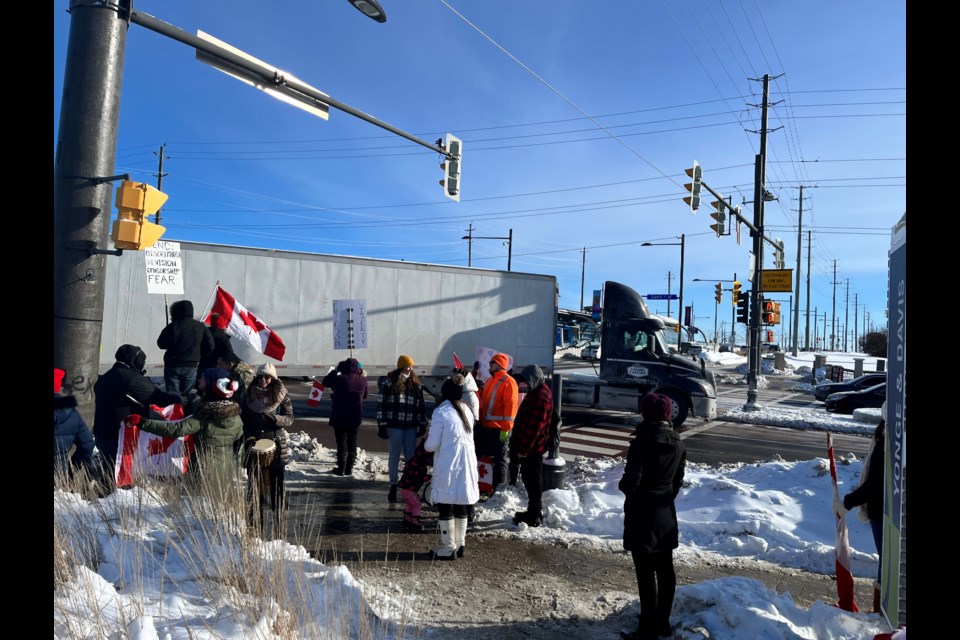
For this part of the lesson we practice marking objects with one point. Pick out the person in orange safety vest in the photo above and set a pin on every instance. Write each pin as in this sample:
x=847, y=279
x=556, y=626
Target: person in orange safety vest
x=498, y=409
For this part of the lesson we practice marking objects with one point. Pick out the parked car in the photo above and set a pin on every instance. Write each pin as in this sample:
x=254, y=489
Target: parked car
x=591, y=351
x=822, y=390
x=847, y=401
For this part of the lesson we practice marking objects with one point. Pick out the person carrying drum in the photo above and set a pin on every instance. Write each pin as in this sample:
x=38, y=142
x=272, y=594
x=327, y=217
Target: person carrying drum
x=267, y=413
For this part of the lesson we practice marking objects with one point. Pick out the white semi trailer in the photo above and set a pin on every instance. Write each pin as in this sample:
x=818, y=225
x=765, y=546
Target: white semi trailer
x=427, y=311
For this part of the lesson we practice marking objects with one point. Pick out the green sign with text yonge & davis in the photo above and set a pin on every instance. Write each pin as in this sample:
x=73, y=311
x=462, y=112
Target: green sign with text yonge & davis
x=776, y=280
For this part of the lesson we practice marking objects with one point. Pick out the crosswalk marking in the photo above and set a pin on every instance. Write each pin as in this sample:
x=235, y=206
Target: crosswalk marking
x=580, y=448
x=605, y=437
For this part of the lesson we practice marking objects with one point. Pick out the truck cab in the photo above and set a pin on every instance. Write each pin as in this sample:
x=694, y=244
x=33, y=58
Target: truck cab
x=635, y=360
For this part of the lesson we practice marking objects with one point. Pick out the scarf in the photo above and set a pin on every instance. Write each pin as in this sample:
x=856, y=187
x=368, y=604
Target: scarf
x=267, y=399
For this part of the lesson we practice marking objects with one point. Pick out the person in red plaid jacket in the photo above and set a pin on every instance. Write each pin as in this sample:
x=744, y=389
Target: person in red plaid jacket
x=529, y=440
x=415, y=473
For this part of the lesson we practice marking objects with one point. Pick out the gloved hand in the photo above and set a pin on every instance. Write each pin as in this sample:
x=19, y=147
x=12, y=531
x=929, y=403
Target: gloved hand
x=504, y=436
x=132, y=420
x=838, y=507
x=382, y=432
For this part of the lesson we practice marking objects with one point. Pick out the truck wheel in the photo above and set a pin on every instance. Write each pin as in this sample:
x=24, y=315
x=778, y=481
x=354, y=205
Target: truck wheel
x=680, y=410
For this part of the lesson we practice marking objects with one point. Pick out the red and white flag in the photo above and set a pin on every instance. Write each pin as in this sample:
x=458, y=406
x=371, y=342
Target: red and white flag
x=144, y=454
x=313, y=400
x=456, y=361
x=246, y=326
x=847, y=601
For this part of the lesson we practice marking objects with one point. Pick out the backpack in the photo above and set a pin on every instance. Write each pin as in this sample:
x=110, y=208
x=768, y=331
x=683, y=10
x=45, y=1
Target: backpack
x=553, y=433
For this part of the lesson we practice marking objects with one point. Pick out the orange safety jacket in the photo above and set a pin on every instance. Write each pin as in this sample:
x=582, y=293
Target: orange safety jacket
x=499, y=402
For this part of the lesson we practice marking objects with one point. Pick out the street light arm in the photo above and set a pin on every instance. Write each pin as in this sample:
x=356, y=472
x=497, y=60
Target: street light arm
x=269, y=75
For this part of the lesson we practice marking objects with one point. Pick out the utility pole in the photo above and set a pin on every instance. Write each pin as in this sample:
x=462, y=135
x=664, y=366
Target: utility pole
x=733, y=318
x=796, y=314
x=833, y=312
x=669, y=283
x=160, y=174
x=82, y=194
x=469, y=239
x=583, y=275
x=846, y=315
x=807, y=336
x=758, y=194
x=856, y=327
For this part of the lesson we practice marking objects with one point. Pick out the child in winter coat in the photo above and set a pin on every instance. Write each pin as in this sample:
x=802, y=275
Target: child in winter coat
x=69, y=432
x=415, y=473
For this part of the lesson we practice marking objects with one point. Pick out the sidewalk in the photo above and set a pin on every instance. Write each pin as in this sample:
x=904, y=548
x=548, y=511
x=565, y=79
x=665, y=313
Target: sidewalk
x=502, y=580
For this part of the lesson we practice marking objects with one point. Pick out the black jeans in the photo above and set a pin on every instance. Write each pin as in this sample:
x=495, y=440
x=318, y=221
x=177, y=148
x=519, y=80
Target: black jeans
x=346, y=446
x=531, y=470
x=657, y=583
x=451, y=511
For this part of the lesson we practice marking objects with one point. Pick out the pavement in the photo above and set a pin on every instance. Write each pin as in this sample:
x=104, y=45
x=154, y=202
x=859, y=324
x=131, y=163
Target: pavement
x=347, y=520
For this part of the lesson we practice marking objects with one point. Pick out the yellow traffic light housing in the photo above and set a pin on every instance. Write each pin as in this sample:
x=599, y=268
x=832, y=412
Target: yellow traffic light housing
x=136, y=201
x=770, y=311
x=736, y=292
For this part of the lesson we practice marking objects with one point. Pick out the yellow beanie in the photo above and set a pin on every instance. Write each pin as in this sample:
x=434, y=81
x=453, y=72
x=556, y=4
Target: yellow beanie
x=404, y=362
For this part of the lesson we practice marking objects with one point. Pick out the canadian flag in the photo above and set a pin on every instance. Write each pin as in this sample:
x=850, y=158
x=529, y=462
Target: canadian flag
x=313, y=400
x=847, y=601
x=246, y=326
x=144, y=454
x=456, y=361
x=485, y=474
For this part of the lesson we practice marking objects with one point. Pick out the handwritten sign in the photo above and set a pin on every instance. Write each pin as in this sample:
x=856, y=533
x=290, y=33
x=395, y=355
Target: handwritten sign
x=349, y=324
x=164, y=268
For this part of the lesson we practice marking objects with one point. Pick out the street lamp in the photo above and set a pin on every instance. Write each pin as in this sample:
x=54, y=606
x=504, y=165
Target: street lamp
x=682, y=245
x=370, y=8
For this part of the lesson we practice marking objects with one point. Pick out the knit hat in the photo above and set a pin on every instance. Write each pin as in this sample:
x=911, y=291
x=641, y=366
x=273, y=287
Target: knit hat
x=452, y=388
x=501, y=359
x=267, y=369
x=211, y=375
x=225, y=387
x=404, y=361
x=656, y=407
x=58, y=375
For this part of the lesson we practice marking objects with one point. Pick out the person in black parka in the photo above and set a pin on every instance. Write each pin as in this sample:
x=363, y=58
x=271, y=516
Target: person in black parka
x=222, y=347
x=121, y=391
x=185, y=341
x=651, y=481
x=348, y=384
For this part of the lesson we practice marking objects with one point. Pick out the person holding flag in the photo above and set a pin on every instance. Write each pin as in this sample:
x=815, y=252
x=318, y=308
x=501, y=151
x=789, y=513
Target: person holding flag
x=217, y=426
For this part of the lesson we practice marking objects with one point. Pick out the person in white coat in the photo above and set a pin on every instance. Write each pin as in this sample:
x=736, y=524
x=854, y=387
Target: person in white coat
x=455, y=482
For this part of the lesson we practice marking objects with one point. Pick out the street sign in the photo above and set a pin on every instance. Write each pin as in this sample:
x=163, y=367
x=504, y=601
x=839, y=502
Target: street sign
x=661, y=296
x=776, y=280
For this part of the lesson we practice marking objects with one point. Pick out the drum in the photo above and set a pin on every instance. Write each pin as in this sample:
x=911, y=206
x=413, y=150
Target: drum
x=262, y=453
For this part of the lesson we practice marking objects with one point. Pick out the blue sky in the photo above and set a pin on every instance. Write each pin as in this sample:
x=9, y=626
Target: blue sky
x=663, y=83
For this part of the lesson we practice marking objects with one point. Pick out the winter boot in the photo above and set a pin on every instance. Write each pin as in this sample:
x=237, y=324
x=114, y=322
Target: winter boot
x=405, y=524
x=392, y=495
x=461, y=537
x=520, y=516
x=448, y=548
x=341, y=463
x=351, y=460
x=415, y=526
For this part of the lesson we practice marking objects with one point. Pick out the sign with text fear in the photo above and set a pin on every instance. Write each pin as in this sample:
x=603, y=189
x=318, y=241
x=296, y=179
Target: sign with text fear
x=776, y=280
x=164, y=268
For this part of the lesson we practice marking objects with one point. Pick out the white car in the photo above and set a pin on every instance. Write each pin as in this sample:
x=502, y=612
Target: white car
x=591, y=351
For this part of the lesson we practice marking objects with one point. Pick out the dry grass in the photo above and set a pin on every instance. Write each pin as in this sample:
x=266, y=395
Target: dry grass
x=178, y=554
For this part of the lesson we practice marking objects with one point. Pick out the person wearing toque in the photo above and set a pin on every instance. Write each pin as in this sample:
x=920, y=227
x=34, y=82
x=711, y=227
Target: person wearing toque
x=348, y=386
x=499, y=401
x=401, y=417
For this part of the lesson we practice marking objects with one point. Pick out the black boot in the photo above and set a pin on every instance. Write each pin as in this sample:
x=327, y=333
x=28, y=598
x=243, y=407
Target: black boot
x=392, y=495
x=520, y=516
x=351, y=460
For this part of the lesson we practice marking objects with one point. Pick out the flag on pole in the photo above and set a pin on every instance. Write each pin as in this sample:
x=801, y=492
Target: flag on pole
x=313, y=400
x=456, y=361
x=246, y=326
x=847, y=601
x=144, y=454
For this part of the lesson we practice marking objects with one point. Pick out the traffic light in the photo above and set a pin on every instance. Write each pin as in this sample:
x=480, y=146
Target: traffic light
x=736, y=292
x=451, y=168
x=769, y=336
x=720, y=216
x=694, y=187
x=718, y=296
x=743, y=307
x=135, y=201
x=770, y=311
x=778, y=261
